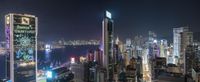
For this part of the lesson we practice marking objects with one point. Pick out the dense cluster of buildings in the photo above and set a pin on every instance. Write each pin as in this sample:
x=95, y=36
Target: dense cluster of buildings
x=143, y=58
x=116, y=61
x=137, y=59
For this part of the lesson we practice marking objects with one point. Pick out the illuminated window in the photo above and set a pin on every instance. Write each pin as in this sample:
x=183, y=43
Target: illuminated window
x=7, y=20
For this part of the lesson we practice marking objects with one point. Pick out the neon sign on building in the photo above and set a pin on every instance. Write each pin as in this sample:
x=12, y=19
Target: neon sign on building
x=21, y=33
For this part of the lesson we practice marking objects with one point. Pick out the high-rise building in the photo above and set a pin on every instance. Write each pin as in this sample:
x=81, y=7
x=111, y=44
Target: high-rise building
x=163, y=48
x=21, y=38
x=189, y=58
x=186, y=39
x=98, y=56
x=129, y=49
x=177, y=40
x=90, y=56
x=152, y=36
x=107, y=39
x=152, y=40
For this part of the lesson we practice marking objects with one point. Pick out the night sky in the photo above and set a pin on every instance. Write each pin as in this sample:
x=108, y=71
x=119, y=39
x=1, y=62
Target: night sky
x=82, y=19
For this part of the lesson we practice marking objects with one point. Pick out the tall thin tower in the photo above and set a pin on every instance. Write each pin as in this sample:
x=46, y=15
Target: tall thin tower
x=21, y=38
x=107, y=37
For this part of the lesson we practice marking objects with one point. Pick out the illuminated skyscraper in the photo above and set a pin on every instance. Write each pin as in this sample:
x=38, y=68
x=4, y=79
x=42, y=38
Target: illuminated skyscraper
x=21, y=38
x=107, y=37
x=177, y=40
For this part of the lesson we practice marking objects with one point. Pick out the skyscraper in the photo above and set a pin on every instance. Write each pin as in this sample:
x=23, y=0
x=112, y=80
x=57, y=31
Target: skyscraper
x=107, y=39
x=177, y=40
x=186, y=39
x=21, y=38
x=190, y=59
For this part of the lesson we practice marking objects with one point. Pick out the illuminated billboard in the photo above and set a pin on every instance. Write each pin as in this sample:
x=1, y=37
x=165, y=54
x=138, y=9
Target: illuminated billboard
x=22, y=46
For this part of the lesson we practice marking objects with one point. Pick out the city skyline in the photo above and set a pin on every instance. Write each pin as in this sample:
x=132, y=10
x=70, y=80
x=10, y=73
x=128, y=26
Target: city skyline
x=99, y=41
x=82, y=19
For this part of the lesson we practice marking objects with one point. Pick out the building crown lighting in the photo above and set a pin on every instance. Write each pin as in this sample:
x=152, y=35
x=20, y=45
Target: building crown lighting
x=108, y=14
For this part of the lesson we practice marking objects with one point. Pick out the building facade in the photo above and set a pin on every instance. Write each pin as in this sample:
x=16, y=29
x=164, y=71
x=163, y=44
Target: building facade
x=177, y=41
x=21, y=38
x=107, y=39
x=186, y=39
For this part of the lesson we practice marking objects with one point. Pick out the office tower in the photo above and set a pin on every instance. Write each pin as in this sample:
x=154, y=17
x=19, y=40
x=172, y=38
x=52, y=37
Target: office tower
x=129, y=49
x=189, y=58
x=107, y=37
x=21, y=37
x=152, y=36
x=116, y=53
x=186, y=39
x=169, y=52
x=152, y=40
x=90, y=56
x=98, y=57
x=177, y=40
x=156, y=49
x=131, y=70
